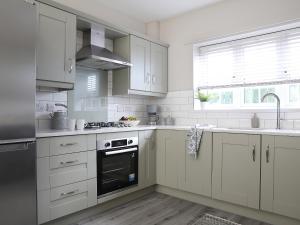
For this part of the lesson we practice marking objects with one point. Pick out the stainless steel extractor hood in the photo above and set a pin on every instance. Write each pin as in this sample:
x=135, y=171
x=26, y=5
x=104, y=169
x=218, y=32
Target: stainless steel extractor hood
x=94, y=54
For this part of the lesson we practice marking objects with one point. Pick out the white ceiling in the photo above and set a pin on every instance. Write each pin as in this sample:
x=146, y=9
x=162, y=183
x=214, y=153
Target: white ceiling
x=153, y=10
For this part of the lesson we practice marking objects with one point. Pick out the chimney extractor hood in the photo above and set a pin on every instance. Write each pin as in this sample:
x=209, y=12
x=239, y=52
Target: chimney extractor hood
x=94, y=54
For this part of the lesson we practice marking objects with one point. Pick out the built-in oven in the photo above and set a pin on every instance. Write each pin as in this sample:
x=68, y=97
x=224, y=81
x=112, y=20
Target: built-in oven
x=117, y=164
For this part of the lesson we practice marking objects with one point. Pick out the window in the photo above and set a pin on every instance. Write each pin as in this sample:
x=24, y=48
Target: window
x=237, y=71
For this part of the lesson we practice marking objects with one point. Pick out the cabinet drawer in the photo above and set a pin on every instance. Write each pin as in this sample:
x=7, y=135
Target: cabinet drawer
x=68, y=191
x=68, y=160
x=69, y=144
x=61, y=170
x=58, y=202
x=65, y=145
x=67, y=175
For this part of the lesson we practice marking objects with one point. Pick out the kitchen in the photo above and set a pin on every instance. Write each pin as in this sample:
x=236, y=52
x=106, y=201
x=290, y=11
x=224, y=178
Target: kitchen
x=135, y=112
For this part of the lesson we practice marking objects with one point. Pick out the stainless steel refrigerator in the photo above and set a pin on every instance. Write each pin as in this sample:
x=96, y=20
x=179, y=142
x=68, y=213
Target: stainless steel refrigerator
x=17, y=113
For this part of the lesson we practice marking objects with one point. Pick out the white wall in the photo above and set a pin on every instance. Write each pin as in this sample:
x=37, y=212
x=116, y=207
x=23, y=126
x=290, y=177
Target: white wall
x=96, y=9
x=224, y=18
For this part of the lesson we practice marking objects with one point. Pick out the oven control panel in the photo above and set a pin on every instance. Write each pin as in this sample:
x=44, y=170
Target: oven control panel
x=117, y=143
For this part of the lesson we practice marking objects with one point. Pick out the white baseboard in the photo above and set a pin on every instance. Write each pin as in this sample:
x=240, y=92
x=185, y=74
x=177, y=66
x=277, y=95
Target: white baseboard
x=90, y=212
x=231, y=208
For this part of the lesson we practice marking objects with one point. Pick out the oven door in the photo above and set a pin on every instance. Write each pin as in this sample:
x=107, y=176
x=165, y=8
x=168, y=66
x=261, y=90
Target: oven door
x=116, y=169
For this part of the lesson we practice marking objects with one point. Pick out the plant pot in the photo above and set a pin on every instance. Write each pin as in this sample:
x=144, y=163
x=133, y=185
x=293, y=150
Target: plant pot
x=203, y=105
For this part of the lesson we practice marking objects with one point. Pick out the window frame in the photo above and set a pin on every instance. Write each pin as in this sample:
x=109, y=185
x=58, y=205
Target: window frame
x=246, y=107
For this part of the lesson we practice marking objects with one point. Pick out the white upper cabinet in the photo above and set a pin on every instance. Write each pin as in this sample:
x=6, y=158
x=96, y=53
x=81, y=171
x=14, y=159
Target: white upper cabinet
x=149, y=72
x=236, y=168
x=280, y=181
x=159, y=57
x=140, y=77
x=56, y=48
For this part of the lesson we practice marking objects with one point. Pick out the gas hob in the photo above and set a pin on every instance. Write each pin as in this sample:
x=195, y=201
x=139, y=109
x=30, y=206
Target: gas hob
x=99, y=125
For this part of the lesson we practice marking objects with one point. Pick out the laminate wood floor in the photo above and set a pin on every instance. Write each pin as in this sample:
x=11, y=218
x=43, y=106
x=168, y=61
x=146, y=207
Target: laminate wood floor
x=160, y=209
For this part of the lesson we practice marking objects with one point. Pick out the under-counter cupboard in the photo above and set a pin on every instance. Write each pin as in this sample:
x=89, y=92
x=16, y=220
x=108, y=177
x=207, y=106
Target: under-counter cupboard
x=250, y=170
x=236, y=168
x=280, y=180
x=66, y=175
x=177, y=169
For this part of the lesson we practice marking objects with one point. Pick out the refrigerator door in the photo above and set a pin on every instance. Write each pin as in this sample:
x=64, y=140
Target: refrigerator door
x=18, y=184
x=17, y=69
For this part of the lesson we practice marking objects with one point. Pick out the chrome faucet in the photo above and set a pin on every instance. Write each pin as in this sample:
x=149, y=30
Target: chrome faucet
x=278, y=106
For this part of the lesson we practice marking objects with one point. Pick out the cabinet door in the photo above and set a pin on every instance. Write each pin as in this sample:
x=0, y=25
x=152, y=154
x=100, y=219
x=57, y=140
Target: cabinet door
x=140, y=58
x=280, y=179
x=236, y=168
x=56, y=45
x=151, y=158
x=197, y=176
x=170, y=145
x=159, y=57
x=147, y=158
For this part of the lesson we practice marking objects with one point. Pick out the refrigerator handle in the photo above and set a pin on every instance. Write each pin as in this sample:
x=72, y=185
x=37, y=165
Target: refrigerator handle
x=16, y=147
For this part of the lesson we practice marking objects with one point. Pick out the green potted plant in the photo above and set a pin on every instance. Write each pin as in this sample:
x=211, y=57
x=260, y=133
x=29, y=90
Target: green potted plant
x=202, y=97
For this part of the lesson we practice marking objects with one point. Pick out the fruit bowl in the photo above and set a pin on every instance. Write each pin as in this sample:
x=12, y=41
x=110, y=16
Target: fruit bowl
x=131, y=123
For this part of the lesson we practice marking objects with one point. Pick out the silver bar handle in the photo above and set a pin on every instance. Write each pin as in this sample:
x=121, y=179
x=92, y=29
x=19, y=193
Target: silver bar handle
x=69, y=65
x=68, y=144
x=121, y=151
x=253, y=152
x=268, y=154
x=69, y=162
x=68, y=193
x=153, y=79
x=31, y=2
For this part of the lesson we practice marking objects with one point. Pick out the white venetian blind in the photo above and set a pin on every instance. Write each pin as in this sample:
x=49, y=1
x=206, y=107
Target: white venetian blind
x=272, y=58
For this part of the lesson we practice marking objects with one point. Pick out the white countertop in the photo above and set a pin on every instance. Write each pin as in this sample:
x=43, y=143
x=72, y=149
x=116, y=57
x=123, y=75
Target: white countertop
x=57, y=133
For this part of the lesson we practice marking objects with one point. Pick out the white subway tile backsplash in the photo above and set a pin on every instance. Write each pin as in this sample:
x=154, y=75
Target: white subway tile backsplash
x=43, y=96
x=287, y=124
x=245, y=123
x=230, y=123
x=178, y=104
x=297, y=124
x=269, y=124
x=60, y=97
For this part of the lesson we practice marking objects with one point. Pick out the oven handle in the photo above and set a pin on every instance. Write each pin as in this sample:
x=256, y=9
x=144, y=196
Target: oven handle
x=121, y=151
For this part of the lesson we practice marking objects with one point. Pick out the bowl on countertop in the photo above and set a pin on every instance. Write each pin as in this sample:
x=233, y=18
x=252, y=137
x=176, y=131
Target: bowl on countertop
x=131, y=123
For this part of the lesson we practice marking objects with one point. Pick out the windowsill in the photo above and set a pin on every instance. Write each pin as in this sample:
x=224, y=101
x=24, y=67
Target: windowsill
x=252, y=110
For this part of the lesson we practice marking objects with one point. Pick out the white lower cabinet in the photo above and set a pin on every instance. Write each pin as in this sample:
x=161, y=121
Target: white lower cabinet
x=236, y=169
x=177, y=169
x=147, y=158
x=280, y=180
x=60, y=170
x=197, y=175
x=57, y=202
x=66, y=175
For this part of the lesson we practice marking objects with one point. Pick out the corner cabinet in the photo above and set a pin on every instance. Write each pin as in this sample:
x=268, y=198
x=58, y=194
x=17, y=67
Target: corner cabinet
x=280, y=181
x=56, y=48
x=149, y=72
x=147, y=158
x=236, y=169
